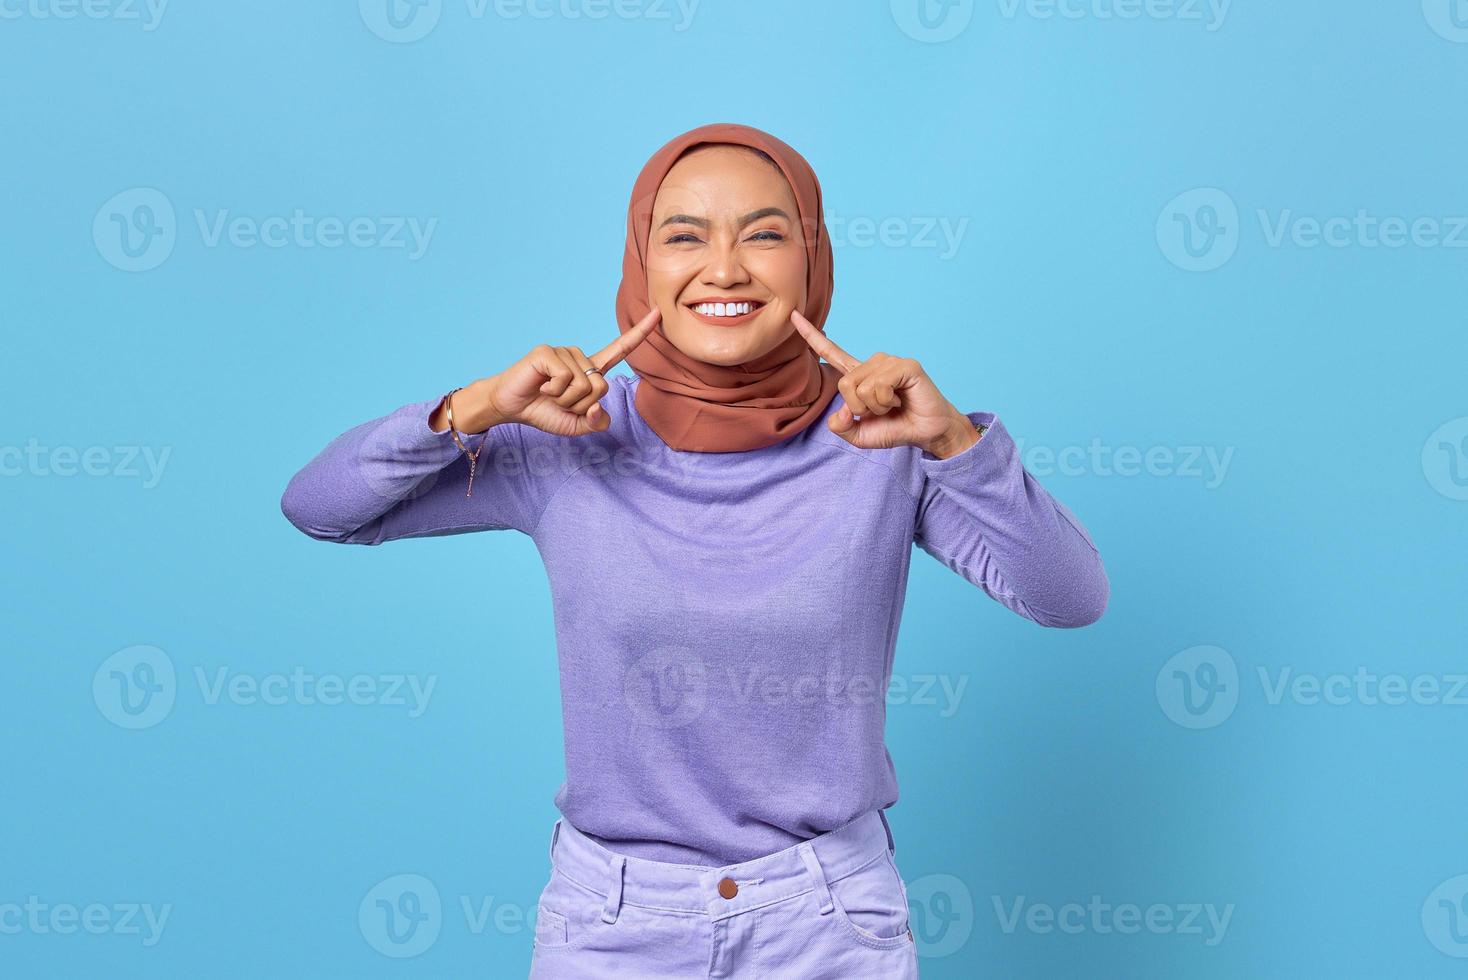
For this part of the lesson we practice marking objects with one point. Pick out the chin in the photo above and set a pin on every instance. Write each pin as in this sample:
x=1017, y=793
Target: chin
x=721, y=354
x=727, y=354
x=725, y=346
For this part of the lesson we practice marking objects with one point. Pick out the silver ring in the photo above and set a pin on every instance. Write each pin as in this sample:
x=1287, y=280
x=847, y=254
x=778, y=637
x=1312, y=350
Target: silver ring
x=592, y=370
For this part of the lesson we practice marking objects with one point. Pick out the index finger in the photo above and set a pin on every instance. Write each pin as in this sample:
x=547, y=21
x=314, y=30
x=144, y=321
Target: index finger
x=823, y=345
x=611, y=355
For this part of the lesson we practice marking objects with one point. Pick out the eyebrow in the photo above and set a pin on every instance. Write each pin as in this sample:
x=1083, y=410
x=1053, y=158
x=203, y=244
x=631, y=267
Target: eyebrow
x=688, y=219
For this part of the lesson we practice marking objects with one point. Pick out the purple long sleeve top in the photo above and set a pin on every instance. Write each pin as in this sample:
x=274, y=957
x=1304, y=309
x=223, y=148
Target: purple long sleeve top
x=725, y=622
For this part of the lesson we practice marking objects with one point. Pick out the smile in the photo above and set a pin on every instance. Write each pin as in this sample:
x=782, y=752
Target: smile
x=725, y=313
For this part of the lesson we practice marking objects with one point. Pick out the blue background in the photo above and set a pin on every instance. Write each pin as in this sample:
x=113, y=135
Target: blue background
x=1074, y=764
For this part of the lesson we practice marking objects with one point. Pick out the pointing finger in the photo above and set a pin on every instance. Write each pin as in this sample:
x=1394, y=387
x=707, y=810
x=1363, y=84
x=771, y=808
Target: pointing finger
x=823, y=345
x=611, y=355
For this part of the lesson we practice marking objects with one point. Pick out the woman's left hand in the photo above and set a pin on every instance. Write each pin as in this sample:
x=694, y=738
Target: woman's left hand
x=897, y=403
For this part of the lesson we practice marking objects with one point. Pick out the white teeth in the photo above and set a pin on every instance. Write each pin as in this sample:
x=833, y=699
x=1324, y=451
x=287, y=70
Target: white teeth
x=723, y=309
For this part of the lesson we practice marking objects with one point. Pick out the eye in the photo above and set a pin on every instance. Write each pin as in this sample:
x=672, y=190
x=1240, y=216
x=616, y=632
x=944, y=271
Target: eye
x=767, y=236
x=681, y=238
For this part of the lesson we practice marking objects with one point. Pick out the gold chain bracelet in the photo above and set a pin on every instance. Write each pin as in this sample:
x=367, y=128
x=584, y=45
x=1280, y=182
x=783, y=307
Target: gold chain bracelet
x=448, y=401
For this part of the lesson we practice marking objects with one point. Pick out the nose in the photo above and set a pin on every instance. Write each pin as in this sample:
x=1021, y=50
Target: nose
x=724, y=268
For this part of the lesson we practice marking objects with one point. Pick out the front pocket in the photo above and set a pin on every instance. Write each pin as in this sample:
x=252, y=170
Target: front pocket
x=567, y=913
x=550, y=928
x=873, y=901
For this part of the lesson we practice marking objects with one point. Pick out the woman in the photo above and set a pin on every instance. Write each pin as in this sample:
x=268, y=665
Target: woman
x=727, y=536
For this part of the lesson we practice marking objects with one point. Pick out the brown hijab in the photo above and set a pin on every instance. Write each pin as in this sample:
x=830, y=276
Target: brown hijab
x=695, y=406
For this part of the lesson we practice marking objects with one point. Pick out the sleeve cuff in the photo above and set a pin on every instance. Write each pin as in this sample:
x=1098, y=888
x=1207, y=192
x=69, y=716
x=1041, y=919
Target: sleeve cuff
x=410, y=431
x=980, y=450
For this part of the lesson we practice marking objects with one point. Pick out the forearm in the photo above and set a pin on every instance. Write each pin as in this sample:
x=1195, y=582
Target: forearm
x=986, y=518
x=365, y=473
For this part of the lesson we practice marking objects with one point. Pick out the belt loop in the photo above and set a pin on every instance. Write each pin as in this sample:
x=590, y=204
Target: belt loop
x=891, y=844
x=614, y=890
x=817, y=876
x=555, y=835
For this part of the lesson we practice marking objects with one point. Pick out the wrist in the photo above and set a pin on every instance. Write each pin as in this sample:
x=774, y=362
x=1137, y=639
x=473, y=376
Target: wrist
x=959, y=436
x=473, y=409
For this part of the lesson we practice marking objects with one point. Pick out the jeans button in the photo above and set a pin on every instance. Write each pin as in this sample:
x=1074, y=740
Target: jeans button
x=728, y=888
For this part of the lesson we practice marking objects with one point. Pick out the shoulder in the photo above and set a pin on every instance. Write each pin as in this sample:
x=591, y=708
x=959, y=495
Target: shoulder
x=621, y=386
x=620, y=403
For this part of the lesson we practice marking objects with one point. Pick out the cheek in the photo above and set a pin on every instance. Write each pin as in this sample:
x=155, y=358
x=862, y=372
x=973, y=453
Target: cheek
x=658, y=279
x=664, y=287
x=670, y=268
x=783, y=273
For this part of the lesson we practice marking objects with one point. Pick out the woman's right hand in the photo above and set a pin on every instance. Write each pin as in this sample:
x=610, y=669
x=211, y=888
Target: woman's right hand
x=549, y=389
